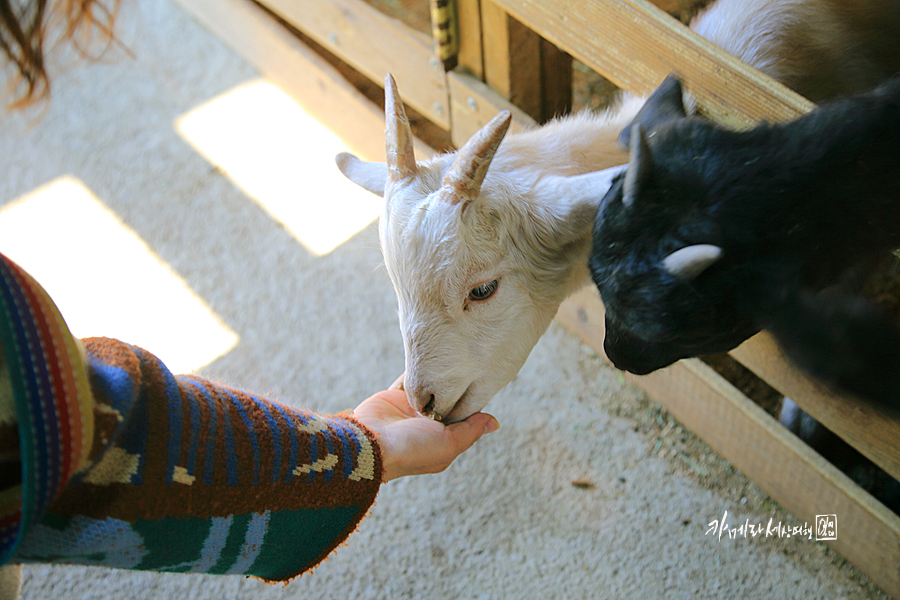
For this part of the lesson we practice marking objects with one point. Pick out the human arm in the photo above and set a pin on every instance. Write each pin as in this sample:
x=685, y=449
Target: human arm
x=178, y=473
x=186, y=475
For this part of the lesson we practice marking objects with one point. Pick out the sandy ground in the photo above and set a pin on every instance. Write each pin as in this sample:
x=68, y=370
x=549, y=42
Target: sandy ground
x=319, y=330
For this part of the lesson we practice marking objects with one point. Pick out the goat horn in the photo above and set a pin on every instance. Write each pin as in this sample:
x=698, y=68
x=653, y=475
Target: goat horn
x=463, y=180
x=640, y=164
x=688, y=262
x=401, y=159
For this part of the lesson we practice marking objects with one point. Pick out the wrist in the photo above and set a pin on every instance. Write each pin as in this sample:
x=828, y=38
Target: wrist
x=371, y=457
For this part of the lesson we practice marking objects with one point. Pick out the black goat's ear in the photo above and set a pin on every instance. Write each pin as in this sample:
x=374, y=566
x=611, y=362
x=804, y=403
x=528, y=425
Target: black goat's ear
x=665, y=104
x=688, y=262
x=640, y=166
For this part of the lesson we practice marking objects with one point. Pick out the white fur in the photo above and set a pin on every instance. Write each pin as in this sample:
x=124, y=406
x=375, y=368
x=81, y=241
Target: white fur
x=530, y=226
x=524, y=230
x=529, y=229
x=818, y=48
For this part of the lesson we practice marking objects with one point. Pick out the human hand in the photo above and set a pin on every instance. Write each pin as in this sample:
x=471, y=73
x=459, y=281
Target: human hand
x=412, y=444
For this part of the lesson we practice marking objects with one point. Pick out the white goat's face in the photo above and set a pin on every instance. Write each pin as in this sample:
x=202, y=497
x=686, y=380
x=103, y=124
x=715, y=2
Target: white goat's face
x=479, y=273
x=467, y=312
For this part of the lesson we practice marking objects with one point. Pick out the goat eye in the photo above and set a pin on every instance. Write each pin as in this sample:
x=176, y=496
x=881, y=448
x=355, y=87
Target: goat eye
x=483, y=291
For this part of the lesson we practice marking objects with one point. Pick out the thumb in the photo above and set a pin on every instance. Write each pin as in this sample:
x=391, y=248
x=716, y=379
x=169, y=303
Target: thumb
x=465, y=433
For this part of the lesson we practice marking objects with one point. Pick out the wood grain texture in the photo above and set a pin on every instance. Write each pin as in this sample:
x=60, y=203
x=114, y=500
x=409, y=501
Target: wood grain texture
x=522, y=67
x=512, y=55
x=635, y=45
x=374, y=44
x=869, y=429
x=300, y=72
x=473, y=103
x=471, y=53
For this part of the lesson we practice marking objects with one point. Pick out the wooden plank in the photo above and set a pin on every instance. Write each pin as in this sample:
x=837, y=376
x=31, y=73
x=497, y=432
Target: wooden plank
x=635, y=45
x=678, y=7
x=783, y=466
x=374, y=44
x=299, y=71
x=473, y=103
x=872, y=431
x=468, y=13
x=523, y=68
x=512, y=55
x=556, y=82
x=279, y=56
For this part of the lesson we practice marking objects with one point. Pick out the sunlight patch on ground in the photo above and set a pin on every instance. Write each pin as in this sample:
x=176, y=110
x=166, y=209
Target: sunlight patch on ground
x=284, y=159
x=104, y=278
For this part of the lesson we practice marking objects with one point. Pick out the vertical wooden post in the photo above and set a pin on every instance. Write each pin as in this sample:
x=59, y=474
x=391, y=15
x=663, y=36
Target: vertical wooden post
x=556, y=81
x=522, y=67
x=471, y=54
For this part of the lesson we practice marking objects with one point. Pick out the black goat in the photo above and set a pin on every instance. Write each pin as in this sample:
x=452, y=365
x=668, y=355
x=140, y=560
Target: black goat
x=712, y=235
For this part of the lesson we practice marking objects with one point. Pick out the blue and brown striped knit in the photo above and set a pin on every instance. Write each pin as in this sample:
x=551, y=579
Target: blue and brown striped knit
x=119, y=463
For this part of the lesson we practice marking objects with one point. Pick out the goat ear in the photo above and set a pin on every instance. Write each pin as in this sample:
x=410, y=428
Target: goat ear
x=568, y=204
x=640, y=165
x=370, y=176
x=463, y=179
x=665, y=104
x=690, y=261
x=401, y=159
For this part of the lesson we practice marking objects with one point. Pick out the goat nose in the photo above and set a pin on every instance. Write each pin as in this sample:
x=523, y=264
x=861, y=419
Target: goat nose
x=419, y=397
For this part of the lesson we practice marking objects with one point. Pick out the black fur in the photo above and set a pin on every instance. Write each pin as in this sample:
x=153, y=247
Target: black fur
x=794, y=208
x=664, y=105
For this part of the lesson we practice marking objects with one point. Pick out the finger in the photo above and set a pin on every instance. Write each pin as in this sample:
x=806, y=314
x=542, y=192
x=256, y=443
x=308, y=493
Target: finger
x=397, y=399
x=488, y=421
x=398, y=383
x=465, y=433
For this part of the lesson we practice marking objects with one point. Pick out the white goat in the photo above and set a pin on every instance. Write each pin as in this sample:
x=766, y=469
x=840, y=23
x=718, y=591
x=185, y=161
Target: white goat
x=482, y=259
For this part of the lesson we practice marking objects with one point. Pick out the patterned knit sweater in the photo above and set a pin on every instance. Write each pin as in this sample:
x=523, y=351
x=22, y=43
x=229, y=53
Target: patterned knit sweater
x=106, y=458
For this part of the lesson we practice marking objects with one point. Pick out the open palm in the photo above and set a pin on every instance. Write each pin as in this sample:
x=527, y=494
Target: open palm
x=412, y=444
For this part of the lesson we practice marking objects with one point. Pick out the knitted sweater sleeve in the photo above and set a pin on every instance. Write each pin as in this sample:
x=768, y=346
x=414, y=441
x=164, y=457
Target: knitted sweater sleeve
x=181, y=474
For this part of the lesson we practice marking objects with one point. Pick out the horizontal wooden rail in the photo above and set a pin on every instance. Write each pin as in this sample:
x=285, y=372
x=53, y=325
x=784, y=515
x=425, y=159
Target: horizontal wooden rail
x=867, y=428
x=635, y=45
x=473, y=103
x=374, y=44
x=304, y=75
